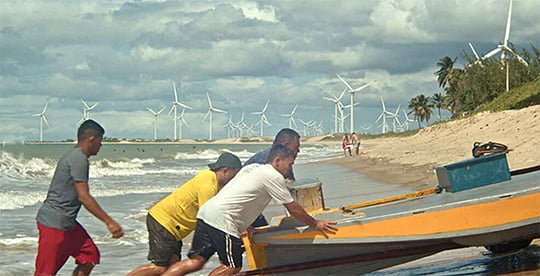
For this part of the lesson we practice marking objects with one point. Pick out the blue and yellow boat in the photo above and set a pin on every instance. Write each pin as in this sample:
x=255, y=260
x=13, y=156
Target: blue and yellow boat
x=501, y=214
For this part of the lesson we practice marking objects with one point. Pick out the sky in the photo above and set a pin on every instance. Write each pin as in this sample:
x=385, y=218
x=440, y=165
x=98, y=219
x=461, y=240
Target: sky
x=127, y=54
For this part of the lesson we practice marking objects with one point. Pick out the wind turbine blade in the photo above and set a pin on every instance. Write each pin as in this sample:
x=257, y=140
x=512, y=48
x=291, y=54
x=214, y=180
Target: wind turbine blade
x=85, y=104
x=219, y=110
x=161, y=110
x=172, y=107
x=361, y=87
x=184, y=121
x=175, y=93
x=294, y=109
x=474, y=51
x=149, y=109
x=490, y=54
x=508, y=20
x=184, y=105
x=45, y=120
x=328, y=99
x=209, y=101
x=45, y=108
x=265, y=106
x=207, y=113
x=342, y=80
x=342, y=93
x=520, y=59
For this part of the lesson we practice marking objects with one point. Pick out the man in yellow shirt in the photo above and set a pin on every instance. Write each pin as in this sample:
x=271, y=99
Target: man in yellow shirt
x=175, y=216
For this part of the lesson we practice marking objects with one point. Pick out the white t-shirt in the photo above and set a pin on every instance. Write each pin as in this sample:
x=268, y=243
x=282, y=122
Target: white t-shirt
x=239, y=203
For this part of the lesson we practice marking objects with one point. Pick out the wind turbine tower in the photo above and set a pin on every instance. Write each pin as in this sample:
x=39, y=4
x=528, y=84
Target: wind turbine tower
x=156, y=114
x=42, y=119
x=352, y=91
x=211, y=109
x=174, y=107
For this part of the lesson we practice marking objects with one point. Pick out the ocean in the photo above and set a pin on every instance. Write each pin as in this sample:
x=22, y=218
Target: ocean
x=127, y=179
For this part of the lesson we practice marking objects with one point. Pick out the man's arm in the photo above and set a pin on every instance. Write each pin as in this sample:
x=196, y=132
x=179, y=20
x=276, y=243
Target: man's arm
x=300, y=214
x=93, y=207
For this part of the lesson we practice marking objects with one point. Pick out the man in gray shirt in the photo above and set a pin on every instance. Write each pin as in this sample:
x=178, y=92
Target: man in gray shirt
x=60, y=235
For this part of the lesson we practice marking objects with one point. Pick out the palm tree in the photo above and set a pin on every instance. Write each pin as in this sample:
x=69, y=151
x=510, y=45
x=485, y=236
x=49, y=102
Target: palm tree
x=439, y=101
x=421, y=108
x=446, y=72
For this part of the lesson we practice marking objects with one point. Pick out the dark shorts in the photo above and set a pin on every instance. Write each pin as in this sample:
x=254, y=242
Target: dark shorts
x=162, y=244
x=55, y=246
x=208, y=240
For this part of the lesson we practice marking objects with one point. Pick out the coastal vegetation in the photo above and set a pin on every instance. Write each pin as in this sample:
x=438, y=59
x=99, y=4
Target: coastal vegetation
x=481, y=86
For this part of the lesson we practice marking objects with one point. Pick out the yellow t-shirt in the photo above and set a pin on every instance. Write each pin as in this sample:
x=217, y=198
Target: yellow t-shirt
x=177, y=212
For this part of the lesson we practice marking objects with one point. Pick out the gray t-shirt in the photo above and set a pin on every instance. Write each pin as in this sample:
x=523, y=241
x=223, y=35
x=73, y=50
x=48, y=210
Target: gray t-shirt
x=60, y=208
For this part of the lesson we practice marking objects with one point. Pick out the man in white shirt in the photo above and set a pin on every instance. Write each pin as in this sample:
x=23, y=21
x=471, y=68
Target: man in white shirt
x=235, y=207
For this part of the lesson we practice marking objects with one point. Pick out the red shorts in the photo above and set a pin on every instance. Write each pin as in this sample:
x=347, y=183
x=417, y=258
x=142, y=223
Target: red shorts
x=55, y=246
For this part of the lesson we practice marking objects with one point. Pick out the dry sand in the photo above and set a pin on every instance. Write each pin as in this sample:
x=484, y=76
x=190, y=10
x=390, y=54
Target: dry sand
x=411, y=160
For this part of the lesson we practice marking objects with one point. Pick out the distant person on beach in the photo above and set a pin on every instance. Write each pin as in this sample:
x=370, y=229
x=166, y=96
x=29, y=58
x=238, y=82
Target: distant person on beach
x=346, y=145
x=287, y=137
x=60, y=235
x=174, y=217
x=355, y=141
x=224, y=217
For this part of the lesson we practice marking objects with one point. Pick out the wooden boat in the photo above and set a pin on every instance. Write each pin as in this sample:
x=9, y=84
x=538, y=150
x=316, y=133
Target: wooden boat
x=500, y=216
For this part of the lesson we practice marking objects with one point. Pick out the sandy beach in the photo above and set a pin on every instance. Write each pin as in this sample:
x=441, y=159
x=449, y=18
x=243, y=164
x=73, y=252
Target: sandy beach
x=411, y=160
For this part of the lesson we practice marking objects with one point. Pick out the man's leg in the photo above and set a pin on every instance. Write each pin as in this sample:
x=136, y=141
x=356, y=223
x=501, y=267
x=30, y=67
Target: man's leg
x=52, y=253
x=163, y=250
x=83, y=270
x=194, y=263
x=87, y=254
x=224, y=270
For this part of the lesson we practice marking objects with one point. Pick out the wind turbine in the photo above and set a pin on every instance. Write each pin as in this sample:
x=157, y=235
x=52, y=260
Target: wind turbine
x=291, y=118
x=155, y=119
x=230, y=126
x=384, y=127
x=352, y=91
x=504, y=48
x=241, y=125
x=182, y=121
x=211, y=109
x=174, y=107
x=337, y=102
x=86, y=111
x=263, y=119
x=395, y=119
x=407, y=120
x=42, y=119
